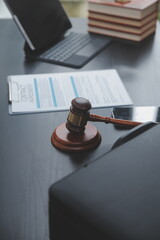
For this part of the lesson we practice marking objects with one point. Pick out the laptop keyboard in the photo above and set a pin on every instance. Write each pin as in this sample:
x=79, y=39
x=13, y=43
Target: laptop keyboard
x=68, y=46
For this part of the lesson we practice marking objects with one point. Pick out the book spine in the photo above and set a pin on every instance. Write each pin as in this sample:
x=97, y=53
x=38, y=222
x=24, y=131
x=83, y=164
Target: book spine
x=132, y=13
x=121, y=20
x=120, y=28
x=121, y=35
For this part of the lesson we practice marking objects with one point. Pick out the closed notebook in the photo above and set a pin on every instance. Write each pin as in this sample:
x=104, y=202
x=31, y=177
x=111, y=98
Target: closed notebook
x=114, y=197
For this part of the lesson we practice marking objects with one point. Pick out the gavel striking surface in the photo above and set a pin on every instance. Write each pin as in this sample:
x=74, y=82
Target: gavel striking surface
x=64, y=140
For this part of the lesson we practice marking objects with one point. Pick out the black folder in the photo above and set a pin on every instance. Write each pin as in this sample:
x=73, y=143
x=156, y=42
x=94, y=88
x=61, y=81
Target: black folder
x=116, y=197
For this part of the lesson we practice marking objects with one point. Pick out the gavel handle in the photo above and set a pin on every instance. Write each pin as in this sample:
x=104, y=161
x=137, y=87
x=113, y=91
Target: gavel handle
x=97, y=118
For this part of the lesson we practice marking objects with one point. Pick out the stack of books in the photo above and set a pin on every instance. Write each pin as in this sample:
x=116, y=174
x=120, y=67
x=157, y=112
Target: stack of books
x=133, y=20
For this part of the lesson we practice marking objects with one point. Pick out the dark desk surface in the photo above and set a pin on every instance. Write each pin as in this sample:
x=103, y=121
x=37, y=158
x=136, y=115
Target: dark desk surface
x=28, y=162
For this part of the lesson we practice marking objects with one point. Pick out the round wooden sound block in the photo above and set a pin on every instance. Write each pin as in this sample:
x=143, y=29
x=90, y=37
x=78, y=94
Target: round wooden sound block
x=67, y=141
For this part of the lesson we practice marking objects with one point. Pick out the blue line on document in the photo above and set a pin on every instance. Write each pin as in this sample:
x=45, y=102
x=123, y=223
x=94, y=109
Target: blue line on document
x=74, y=86
x=36, y=92
x=53, y=92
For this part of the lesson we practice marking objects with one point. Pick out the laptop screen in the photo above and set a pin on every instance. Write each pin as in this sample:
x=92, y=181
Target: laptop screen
x=42, y=22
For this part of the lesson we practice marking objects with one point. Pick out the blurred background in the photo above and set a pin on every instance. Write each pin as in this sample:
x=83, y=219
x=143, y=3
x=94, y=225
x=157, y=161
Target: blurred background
x=73, y=8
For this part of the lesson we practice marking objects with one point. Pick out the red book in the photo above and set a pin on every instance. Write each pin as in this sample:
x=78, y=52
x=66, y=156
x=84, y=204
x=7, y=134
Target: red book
x=122, y=20
x=120, y=27
x=136, y=9
x=122, y=35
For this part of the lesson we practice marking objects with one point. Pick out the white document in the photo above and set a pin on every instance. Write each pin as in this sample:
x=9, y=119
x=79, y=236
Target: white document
x=55, y=91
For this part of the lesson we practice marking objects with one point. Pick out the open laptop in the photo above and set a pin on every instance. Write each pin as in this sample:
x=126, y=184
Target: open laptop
x=45, y=28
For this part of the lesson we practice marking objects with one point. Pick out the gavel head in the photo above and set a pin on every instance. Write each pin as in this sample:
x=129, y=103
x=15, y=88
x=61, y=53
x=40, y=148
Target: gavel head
x=78, y=115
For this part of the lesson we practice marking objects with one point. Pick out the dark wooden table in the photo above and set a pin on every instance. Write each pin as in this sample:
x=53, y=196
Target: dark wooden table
x=29, y=164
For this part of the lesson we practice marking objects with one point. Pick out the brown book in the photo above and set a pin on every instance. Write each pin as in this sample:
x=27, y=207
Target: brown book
x=120, y=27
x=122, y=1
x=122, y=35
x=136, y=9
x=122, y=20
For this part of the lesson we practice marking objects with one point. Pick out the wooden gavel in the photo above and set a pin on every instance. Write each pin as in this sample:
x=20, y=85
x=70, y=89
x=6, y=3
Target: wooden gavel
x=79, y=115
x=77, y=135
